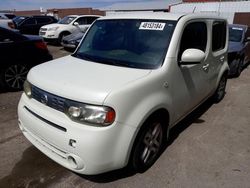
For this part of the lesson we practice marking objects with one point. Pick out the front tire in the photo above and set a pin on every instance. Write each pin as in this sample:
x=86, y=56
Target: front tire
x=148, y=145
x=61, y=36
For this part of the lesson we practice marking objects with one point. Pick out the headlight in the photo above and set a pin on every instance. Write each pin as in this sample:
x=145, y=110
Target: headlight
x=27, y=88
x=53, y=28
x=83, y=113
x=72, y=42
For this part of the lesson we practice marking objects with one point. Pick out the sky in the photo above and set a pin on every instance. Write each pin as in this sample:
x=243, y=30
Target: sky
x=36, y=4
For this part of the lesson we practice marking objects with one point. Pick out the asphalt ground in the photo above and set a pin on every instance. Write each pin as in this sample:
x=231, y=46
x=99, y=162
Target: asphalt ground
x=210, y=148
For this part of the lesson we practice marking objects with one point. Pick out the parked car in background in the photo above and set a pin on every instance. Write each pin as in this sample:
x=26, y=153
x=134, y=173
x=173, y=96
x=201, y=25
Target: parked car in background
x=71, y=41
x=7, y=15
x=239, y=48
x=32, y=24
x=18, y=54
x=134, y=76
x=6, y=20
x=66, y=26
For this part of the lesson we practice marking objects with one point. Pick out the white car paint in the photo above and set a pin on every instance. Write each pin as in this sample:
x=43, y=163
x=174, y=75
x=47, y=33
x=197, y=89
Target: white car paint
x=133, y=93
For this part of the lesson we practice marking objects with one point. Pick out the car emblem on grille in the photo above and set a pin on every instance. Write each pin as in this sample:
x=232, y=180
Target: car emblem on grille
x=44, y=99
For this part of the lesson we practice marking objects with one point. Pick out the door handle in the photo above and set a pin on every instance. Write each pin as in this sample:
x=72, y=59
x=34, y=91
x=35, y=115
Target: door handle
x=205, y=67
x=222, y=58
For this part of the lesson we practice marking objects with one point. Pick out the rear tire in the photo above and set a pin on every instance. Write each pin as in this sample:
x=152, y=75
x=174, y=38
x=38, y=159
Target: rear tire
x=239, y=68
x=148, y=145
x=221, y=89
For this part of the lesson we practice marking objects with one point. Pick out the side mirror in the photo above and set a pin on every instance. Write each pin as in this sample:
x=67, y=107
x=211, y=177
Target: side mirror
x=192, y=56
x=76, y=24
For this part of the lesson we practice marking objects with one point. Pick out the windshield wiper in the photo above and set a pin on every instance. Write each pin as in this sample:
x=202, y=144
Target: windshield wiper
x=104, y=61
x=83, y=56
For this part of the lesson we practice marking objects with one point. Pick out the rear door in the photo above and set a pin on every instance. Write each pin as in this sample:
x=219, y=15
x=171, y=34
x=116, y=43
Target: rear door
x=11, y=47
x=41, y=21
x=29, y=26
x=218, y=55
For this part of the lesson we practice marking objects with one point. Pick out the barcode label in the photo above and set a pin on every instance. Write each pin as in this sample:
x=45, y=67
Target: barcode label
x=152, y=26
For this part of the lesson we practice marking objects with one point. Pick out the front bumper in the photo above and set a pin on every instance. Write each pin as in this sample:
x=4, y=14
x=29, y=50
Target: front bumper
x=68, y=45
x=49, y=34
x=80, y=148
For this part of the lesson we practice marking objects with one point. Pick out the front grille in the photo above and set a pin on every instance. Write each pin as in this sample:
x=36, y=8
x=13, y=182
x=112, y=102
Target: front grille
x=51, y=100
x=42, y=33
x=43, y=29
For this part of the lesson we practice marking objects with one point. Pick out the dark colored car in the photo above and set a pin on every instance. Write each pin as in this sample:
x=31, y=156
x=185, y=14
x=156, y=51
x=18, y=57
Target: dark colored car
x=7, y=16
x=71, y=41
x=18, y=54
x=31, y=24
x=239, y=48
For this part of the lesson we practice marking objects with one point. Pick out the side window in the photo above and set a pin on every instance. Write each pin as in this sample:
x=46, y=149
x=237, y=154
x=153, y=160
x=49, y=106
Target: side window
x=90, y=20
x=194, y=36
x=43, y=20
x=82, y=21
x=218, y=35
x=30, y=21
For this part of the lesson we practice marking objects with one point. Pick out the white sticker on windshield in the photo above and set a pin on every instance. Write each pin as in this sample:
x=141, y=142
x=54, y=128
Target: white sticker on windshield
x=237, y=28
x=152, y=26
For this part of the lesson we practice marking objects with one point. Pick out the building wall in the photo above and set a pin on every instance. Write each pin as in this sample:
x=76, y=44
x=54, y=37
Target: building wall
x=198, y=1
x=225, y=9
x=242, y=18
x=62, y=12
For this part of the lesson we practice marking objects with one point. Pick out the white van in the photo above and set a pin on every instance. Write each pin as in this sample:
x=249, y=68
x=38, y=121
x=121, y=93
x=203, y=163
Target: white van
x=132, y=78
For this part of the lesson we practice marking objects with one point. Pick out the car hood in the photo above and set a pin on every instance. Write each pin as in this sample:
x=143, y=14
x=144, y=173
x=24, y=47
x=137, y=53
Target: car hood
x=74, y=36
x=81, y=80
x=54, y=25
x=234, y=47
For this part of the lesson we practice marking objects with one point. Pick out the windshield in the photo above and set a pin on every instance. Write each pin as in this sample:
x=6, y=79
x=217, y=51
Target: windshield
x=67, y=20
x=19, y=19
x=235, y=34
x=129, y=43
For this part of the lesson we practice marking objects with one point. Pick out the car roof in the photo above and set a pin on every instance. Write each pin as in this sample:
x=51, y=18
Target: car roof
x=160, y=16
x=144, y=15
x=36, y=16
x=85, y=15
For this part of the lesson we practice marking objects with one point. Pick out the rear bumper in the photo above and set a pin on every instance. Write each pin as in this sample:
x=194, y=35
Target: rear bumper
x=80, y=148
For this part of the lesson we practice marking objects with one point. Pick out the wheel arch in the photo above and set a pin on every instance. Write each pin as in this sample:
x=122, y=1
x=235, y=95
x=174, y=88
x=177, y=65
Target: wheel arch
x=161, y=113
x=224, y=72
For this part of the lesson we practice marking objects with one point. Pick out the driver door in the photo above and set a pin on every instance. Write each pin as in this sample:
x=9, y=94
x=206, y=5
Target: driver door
x=193, y=78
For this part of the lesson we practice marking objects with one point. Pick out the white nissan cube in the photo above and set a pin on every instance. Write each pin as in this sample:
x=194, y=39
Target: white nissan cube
x=133, y=77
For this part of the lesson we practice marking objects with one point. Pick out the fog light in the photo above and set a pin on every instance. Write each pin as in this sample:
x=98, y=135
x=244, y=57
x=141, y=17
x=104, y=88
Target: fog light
x=74, y=111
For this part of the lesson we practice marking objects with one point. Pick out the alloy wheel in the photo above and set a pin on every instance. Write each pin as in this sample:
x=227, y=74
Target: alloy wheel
x=152, y=143
x=15, y=76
